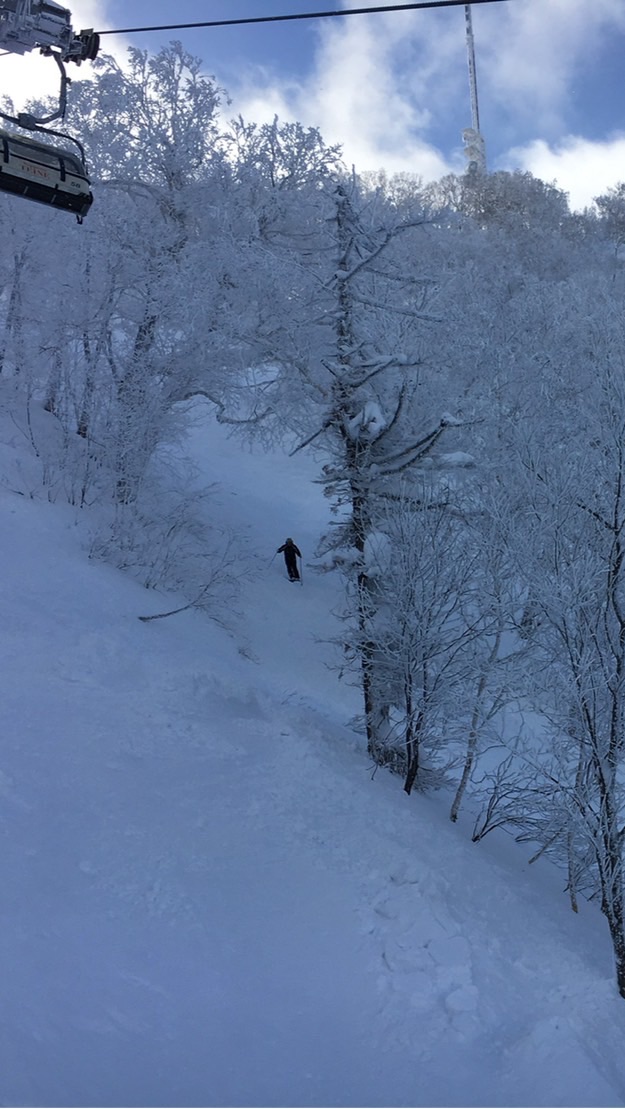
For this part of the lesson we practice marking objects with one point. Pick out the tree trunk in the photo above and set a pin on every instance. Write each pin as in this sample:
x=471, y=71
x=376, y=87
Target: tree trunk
x=615, y=912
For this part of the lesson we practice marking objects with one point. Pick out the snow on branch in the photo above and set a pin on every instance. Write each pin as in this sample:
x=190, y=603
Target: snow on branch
x=254, y=417
x=369, y=421
x=343, y=275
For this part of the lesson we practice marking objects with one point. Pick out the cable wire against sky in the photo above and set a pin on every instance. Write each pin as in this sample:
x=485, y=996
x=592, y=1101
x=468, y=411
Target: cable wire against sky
x=417, y=6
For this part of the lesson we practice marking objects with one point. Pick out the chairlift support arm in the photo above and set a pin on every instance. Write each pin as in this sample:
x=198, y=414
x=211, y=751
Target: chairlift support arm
x=31, y=24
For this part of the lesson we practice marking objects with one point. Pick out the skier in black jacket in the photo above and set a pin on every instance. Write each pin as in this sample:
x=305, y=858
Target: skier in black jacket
x=291, y=554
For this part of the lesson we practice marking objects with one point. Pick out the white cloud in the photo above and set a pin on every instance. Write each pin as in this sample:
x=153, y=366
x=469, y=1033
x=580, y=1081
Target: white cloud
x=582, y=168
x=386, y=87
x=359, y=95
x=531, y=55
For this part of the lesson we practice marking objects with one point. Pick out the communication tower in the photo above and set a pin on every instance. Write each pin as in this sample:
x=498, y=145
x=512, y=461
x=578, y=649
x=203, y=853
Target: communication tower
x=474, y=146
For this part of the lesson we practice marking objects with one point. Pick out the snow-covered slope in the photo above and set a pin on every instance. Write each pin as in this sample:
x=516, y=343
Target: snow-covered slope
x=207, y=897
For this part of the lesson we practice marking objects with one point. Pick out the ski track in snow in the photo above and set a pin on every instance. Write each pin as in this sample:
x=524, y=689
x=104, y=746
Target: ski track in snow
x=208, y=896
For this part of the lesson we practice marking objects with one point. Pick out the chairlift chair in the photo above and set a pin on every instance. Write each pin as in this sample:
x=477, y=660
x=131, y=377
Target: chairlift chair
x=37, y=170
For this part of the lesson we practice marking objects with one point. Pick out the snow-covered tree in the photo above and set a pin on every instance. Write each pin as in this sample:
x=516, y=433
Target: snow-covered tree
x=571, y=558
x=343, y=338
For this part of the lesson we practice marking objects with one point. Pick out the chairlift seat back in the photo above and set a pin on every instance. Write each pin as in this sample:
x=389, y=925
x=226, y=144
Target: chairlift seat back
x=44, y=173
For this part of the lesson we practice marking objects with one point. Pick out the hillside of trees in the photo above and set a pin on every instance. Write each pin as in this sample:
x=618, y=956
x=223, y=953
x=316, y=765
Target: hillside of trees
x=452, y=357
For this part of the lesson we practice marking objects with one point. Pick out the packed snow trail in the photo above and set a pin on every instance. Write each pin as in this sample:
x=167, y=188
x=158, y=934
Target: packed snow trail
x=208, y=898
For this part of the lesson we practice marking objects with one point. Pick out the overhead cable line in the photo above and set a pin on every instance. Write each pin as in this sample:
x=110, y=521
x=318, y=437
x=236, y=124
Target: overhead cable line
x=417, y=6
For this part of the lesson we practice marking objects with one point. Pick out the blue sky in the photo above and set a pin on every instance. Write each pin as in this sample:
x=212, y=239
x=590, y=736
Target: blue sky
x=393, y=88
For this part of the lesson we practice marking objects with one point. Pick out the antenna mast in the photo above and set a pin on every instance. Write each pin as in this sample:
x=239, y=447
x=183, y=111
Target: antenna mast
x=474, y=146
